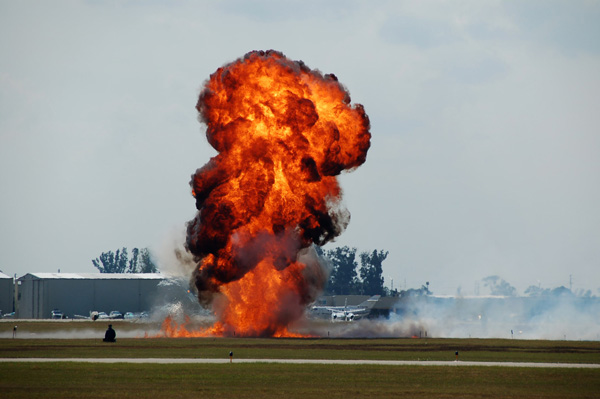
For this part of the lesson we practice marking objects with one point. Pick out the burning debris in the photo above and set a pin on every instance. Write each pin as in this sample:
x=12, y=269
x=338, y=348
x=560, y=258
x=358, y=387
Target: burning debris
x=283, y=133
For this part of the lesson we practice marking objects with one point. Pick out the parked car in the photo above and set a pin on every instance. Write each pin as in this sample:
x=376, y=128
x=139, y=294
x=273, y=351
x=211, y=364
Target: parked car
x=56, y=314
x=136, y=315
x=115, y=314
x=102, y=315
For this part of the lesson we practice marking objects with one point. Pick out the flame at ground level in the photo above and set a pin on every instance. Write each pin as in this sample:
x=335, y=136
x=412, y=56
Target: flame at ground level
x=172, y=329
x=260, y=304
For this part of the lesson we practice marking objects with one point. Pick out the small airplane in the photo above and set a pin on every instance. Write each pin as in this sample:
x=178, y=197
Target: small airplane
x=345, y=313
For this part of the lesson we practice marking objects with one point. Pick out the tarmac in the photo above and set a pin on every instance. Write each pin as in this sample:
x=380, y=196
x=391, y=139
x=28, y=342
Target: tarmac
x=302, y=361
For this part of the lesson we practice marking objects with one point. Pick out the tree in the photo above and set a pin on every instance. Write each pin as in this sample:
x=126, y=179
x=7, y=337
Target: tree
x=423, y=291
x=119, y=262
x=534, y=290
x=371, y=272
x=134, y=261
x=499, y=286
x=146, y=265
x=343, y=278
x=105, y=263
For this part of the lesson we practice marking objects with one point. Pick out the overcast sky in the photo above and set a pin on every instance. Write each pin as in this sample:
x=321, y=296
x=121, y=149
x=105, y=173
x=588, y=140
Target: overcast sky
x=485, y=121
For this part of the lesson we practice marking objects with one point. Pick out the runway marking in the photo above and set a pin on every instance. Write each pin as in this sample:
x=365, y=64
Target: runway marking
x=304, y=361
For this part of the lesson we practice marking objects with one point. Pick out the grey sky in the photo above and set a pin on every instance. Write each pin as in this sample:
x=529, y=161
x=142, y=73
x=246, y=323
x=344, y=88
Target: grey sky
x=485, y=120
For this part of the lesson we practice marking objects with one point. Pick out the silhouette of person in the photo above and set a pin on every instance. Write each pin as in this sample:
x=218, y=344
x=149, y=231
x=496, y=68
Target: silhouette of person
x=110, y=335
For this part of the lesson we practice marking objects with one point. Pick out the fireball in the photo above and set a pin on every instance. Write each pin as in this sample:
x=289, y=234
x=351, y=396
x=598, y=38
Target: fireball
x=283, y=132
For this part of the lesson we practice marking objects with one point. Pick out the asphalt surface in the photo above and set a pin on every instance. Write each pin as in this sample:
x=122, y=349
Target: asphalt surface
x=303, y=361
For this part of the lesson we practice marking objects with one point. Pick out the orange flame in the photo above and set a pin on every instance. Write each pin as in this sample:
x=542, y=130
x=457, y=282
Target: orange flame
x=283, y=133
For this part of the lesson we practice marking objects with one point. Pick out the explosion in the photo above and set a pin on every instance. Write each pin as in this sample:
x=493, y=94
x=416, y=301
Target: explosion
x=283, y=133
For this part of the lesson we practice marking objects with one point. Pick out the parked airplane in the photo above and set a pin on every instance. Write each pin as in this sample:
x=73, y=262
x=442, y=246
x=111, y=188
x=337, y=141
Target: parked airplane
x=345, y=313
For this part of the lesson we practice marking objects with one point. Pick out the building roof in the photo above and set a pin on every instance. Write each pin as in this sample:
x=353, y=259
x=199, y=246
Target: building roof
x=2, y=275
x=469, y=296
x=96, y=276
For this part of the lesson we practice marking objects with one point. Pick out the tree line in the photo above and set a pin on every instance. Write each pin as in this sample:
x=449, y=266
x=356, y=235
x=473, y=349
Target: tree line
x=120, y=262
x=499, y=286
x=347, y=277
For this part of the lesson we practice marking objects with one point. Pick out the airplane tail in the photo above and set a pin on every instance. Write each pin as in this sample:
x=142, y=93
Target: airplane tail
x=369, y=303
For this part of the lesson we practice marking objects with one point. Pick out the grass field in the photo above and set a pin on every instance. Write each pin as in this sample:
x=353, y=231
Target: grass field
x=79, y=380
x=258, y=348
x=93, y=380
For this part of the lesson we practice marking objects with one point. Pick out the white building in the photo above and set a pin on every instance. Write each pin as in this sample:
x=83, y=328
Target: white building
x=80, y=293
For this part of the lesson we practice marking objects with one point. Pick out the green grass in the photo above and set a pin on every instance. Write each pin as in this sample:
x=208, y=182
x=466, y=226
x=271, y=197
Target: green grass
x=82, y=380
x=243, y=380
x=265, y=348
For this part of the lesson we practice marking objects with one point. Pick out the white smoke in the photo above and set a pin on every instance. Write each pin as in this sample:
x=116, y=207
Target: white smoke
x=552, y=317
x=77, y=329
x=545, y=317
x=172, y=258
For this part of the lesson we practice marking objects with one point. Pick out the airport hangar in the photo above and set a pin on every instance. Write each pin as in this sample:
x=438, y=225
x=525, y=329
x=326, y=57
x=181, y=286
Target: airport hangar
x=81, y=293
x=37, y=294
x=6, y=294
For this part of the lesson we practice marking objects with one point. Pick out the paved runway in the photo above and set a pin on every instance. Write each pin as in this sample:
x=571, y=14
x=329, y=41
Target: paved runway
x=303, y=361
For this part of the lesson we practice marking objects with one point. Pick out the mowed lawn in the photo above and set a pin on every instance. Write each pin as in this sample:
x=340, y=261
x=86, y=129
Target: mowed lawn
x=268, y=380
x=345, y=349
x=261, y=380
